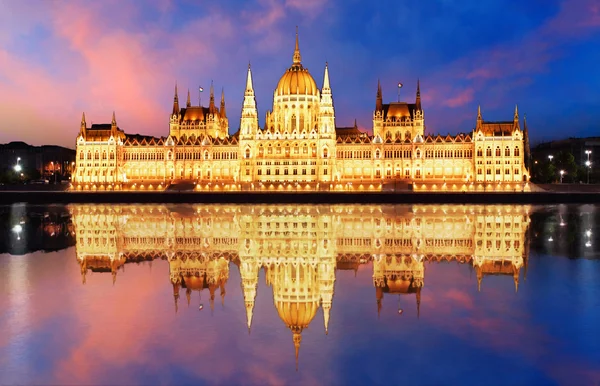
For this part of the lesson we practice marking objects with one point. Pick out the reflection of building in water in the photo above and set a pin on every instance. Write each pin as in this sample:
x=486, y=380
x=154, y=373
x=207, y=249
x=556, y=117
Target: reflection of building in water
x=300, y=247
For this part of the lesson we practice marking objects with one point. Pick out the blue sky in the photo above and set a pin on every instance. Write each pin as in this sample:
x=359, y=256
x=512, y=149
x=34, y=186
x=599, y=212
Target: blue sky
x=60, y=58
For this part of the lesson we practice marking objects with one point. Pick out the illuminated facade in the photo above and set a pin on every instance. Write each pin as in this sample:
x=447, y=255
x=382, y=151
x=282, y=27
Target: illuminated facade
x=300, y=248
x=299, y=147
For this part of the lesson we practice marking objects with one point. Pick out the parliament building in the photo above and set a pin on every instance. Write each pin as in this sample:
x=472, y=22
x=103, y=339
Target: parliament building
x=298, y=147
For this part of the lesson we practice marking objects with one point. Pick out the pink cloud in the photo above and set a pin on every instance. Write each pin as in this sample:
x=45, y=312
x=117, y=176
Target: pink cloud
x=462, y=98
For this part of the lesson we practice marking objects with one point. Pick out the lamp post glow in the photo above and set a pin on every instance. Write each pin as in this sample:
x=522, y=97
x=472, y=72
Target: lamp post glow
x=588, y=163
x=18, y=167
x=562, y=173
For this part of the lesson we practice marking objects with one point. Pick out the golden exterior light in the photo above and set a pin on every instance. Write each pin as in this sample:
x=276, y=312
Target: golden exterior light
x=299, y=147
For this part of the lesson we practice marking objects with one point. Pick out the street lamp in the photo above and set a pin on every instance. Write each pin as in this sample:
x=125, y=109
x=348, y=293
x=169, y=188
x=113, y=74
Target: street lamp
x=550, y=157
x=18, y=167
x=588, y=163
x=562, y=173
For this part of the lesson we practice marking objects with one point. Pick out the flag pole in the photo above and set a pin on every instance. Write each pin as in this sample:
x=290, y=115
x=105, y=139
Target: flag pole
x=399, y=87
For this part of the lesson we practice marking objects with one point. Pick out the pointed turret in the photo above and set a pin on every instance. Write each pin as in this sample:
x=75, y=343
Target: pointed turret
x=527, y=149
x=114, y=121
x=479, y=118
x=82, y=126
x=249, y=118
x=297, y=59
x=356, y=127
x=297, y=338
x=211, y=106
x=188, y=103
x=176, y=102
x=418, y=102
x=176, y=295
x=326, y=79
x=326, y=311
x=249, y=312
x=222, y=111
x=379, y=99
x=516, y=125
x=249, y=88
x=418, y=302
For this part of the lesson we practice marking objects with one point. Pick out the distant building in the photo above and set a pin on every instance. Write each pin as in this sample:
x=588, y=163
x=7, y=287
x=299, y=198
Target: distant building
x=299, y=148
x=46, y=159
x=575, y=146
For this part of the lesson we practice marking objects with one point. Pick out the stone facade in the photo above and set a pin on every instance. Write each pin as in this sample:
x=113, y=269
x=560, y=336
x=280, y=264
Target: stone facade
x=299, y=147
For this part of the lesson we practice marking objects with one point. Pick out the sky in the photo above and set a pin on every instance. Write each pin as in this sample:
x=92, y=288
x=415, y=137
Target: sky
x=61, y=58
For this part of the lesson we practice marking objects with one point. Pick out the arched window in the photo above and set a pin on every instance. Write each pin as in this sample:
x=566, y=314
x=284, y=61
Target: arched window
x=480, y=152
x=377, y=153
x=507, y=152
x=96, y=155
x=407, y=135
x=418, y=153
x=112, y=155
x=261, y=151
x=247, y=153
x=104, y=154
x=517, y=151
x=397, y=136
x=498, y=153
x=388, y=135
x=80, y=155
x=294, y=125
x=205, y=154
x=325, y=153
x=488, y=151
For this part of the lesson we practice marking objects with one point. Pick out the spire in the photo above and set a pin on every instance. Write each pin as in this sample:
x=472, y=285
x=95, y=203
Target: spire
x=223, y=112
x=297, y=58
x=176, y=295
x=326, y=78
x=249, y=88
x=176, y=101
x=479, y=119
x=249, y=311
x=114, y=120
x=188, y=103
x=83, y=120
x=418, y=102
x=356, y=127
x=418, y=302
x=211, y=106
x=379, y=100
x=326, y=310
x=527, y=148
x=479, y=112
x=297, y=338
x=516, y=113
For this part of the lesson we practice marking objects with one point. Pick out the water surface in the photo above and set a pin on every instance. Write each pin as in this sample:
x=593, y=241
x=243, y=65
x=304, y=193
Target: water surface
x=285, y=294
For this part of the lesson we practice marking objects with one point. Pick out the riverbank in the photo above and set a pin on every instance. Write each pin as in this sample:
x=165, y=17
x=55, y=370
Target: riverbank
x=67, y=197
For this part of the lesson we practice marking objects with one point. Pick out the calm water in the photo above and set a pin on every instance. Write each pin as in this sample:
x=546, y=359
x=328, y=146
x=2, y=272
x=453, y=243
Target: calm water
x=335, y=295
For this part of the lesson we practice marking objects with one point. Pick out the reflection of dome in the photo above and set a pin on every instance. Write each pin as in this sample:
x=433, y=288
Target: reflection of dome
x=297, y=316
x=296, y=80
x=194, y=282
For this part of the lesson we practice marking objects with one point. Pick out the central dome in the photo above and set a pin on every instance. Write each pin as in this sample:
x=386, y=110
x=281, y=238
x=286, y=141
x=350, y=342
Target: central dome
x=296, y=80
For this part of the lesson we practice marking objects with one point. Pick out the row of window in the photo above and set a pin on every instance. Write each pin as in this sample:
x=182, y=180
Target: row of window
x=286, y=172
x=489, y=171
x=507, y=152
x=88, y=155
